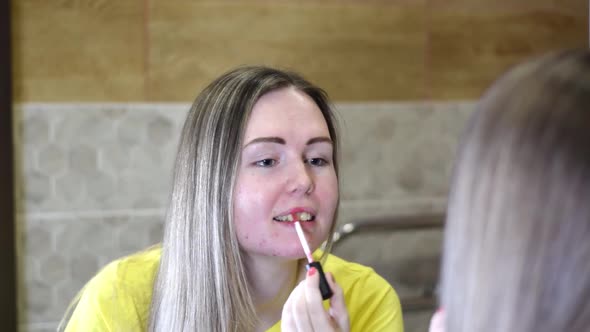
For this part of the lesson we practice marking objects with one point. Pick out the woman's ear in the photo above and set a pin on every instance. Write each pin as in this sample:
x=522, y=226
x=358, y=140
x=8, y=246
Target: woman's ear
x=437, y=322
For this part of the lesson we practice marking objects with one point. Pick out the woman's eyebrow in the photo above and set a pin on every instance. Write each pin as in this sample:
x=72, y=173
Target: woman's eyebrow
x=321, y=139
x=271, y=139
x=279, y=140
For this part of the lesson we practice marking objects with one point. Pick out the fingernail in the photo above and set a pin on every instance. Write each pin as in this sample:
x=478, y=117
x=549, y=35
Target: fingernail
x=311, y=271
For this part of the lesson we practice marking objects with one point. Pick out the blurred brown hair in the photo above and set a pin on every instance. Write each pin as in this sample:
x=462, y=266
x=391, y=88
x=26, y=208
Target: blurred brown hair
x=517, y=243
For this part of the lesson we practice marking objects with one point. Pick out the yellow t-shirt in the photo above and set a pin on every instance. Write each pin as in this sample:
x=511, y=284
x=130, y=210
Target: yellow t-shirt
x=118, y=297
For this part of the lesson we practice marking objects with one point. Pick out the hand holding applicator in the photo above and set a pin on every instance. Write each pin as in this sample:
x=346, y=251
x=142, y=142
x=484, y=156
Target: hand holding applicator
x=324, y=287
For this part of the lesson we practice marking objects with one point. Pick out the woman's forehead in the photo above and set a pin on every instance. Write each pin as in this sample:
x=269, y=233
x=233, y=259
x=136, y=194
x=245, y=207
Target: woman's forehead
x=285, y=111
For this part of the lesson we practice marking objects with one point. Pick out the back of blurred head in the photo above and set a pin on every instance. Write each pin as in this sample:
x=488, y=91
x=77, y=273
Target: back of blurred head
x=517, y=243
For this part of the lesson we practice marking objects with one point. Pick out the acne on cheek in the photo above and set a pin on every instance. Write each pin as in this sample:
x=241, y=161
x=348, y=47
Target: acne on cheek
x=268, y=245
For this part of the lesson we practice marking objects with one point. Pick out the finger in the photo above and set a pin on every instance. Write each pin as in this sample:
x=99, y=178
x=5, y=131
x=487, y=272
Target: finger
x=437, y=323
x=338, y=310
x=287, y=319
x=299, y=310
x=320, y=320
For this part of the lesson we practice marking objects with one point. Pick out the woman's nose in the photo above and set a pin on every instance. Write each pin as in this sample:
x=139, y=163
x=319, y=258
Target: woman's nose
x=301, y=181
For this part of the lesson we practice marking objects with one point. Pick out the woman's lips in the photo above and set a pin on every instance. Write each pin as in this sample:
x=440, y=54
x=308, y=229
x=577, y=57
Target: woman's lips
x=302, y=214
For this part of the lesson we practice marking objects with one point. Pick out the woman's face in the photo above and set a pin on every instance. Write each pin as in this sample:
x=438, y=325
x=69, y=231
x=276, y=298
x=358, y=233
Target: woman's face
x=286, y=168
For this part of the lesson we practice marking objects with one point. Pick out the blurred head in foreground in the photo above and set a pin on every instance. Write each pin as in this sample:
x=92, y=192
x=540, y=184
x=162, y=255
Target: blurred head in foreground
x=517, y=240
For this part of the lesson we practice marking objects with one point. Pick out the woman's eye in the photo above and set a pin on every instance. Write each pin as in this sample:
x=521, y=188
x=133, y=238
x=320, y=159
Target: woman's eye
x=266, y=162
x=317, y=162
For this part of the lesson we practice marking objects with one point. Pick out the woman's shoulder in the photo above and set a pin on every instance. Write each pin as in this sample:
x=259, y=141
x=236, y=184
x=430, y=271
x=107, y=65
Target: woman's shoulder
x=127, y=279
x=359, y=280
x=136, y=269
x=118, y=296
x=354, y=271
x=372, y=302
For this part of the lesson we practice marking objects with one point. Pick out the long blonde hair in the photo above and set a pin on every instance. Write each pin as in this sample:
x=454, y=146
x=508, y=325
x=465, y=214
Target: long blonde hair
x=517, y=243
x=201, y=283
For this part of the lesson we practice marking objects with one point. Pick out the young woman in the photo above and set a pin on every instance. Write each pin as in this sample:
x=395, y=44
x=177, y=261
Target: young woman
x=259, y=146
x=517, y=242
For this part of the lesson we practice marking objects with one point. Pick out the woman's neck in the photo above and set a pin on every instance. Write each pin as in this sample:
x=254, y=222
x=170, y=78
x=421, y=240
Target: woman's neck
x=271, y=281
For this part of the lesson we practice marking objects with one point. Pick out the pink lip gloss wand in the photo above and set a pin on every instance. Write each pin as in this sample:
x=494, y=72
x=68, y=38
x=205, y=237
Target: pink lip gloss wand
x=324, y=287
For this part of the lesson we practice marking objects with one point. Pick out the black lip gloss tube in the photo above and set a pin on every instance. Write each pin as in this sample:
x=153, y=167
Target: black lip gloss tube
x=325, y=289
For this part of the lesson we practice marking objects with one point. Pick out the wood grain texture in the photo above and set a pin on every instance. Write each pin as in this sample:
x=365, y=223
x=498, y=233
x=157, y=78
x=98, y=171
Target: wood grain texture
x=473, y=42
x=78, y=50
x=156, y=50
x=354, y=50
x=577, y=7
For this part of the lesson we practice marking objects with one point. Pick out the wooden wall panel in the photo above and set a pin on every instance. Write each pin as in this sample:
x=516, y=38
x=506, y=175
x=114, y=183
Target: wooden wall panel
x=78, y=50
x=157, y=50
x=473, y=41
x=355, y=50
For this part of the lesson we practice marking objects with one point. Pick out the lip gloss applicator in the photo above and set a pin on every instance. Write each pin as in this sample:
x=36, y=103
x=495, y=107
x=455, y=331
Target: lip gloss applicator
x=324, y=287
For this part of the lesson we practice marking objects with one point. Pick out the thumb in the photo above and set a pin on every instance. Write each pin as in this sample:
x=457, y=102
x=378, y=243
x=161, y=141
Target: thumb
x=437, y=323
x=312, y=280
